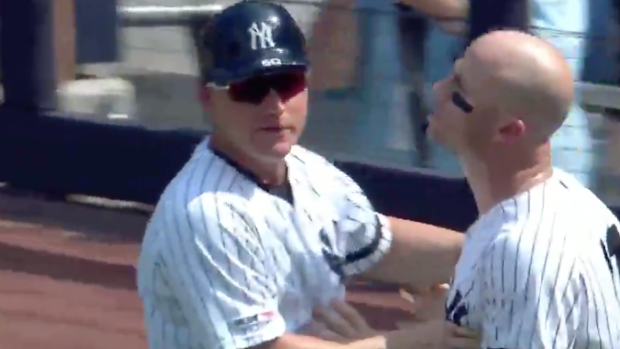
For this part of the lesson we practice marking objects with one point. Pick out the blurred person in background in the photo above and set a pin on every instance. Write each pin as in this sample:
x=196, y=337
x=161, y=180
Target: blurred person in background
x=602, y=67
x=334, y=38
x=602, y=54
x=564, y=23
x=612, y=123
x=336, y=47
x=609, y=186
x=417, y=19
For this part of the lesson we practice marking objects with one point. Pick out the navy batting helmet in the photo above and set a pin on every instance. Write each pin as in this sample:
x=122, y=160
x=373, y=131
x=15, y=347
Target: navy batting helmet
x=250, y=38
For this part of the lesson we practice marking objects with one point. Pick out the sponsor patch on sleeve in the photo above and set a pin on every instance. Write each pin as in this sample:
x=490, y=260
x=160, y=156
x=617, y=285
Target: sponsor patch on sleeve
x=255, y=319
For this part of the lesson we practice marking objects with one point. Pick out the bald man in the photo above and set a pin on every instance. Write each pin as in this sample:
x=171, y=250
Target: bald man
x=539, y=269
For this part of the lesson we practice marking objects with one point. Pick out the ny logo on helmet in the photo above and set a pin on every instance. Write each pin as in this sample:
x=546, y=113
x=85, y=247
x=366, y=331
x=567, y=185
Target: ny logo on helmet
x=261, y=36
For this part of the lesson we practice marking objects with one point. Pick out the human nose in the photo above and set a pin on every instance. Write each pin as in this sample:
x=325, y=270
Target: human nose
x=439, y=90
x=438, y=85
x=273, y=103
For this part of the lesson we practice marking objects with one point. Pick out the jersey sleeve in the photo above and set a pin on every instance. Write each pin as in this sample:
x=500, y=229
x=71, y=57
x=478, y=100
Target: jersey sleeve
x=366, y=232
x=221, y=275
x=531, y=295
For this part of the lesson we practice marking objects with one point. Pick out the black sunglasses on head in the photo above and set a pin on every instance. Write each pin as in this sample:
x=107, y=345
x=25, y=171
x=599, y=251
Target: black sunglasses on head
x=254, y=90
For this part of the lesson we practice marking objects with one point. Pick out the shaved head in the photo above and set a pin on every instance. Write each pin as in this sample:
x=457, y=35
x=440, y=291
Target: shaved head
x=498, y=110
x=509, y=89
x=523, y=77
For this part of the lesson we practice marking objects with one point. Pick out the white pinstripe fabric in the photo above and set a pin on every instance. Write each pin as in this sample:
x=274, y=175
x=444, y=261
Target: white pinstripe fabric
x=533, y=273
x=225, y=264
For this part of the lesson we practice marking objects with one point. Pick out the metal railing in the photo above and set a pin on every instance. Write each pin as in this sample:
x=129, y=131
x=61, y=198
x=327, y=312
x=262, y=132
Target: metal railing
x=194, y=18
x=155, y=16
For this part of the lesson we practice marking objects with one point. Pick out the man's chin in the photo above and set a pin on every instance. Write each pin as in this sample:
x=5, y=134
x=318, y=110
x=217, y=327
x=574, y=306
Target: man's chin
x=281, y=151
x=434, y=135
x=275, y=152
x=441, y=140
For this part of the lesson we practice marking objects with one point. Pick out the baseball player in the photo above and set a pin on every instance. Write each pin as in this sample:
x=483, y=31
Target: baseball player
x=255, y=231
x=539, y=269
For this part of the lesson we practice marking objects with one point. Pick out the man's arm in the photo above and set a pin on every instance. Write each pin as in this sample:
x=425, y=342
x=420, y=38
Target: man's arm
x=391, y=249
x=421, y=255
x=294, y=341
x=531, y=295
x=344, y=322
x=401, y=339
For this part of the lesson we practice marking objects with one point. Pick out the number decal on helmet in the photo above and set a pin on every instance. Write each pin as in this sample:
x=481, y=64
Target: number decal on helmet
x=271, y=62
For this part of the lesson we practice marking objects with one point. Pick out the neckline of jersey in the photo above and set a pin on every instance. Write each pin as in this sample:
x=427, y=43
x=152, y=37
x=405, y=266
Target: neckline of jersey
x=283, y=191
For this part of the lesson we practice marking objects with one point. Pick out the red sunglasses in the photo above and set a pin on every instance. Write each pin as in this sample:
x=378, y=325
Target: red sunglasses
x=254, y=90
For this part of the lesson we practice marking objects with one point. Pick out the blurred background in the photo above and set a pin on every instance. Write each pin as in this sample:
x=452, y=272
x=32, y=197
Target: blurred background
x=133, y=63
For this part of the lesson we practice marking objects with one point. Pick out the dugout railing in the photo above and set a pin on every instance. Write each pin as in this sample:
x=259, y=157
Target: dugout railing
x=64, y=155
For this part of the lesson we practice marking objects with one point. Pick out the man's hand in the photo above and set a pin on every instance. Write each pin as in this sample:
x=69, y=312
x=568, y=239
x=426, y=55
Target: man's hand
x=426, y=304
x=460, y=337
x=340, y=322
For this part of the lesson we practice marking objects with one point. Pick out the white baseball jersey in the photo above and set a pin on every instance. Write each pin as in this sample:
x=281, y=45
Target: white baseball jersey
x=540, y=271
x=226, y=263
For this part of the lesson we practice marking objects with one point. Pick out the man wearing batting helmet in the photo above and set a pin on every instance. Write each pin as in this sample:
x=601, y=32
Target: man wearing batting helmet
x=255, y=231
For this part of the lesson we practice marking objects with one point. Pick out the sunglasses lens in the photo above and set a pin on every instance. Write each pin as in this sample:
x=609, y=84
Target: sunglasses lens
x=461, y=102
x=288, y=85
x=254, y=90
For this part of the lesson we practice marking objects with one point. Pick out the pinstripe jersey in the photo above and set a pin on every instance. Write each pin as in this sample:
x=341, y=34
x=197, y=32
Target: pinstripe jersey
x=540, y=270
x=226, y=263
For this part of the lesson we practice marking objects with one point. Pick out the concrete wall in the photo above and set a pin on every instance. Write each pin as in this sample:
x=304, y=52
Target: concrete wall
x=160, y=63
